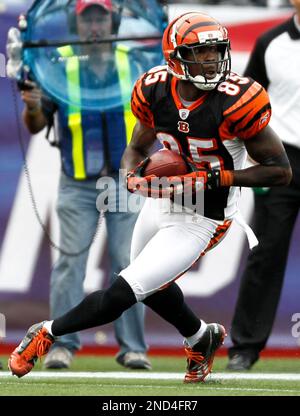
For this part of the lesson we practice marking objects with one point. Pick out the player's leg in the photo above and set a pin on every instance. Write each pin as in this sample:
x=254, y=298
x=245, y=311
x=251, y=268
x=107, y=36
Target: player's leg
x=154, y=271
x=104, y=306
x=170, y=305
x=109, y=305
x=201, y=340
x=179, y=243
x=163, y=258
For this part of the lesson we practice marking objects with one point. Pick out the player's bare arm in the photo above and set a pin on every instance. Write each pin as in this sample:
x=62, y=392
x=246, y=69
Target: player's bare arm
x=273, y=168
x=143, y=138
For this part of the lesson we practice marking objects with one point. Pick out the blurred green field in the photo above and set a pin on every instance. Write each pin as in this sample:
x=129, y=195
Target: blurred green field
x=121, y=386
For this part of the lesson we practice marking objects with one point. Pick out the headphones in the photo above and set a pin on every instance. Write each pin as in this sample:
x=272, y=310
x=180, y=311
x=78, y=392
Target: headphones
x=116, y=20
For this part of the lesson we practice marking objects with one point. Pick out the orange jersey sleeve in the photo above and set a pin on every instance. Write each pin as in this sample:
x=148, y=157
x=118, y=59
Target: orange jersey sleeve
x=247, y=115
x=139, y=104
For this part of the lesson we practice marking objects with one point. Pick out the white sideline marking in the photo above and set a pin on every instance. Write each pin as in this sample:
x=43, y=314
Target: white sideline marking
x=156, y=376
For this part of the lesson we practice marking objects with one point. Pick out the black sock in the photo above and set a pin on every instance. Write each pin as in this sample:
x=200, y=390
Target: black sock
x=96, y=309
x=170, y=305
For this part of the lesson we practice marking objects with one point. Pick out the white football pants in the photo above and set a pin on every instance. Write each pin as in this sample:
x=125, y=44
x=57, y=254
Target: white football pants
x=166, y=244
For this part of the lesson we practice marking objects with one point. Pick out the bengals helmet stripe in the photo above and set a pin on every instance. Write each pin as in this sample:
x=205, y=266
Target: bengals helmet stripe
x=189, y=22
x=196, y=26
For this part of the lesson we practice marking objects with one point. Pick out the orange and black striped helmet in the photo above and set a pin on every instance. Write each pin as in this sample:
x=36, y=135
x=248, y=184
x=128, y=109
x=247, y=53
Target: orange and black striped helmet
x=188, y=32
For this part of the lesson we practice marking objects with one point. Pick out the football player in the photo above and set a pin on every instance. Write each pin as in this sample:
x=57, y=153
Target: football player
x=195, y=106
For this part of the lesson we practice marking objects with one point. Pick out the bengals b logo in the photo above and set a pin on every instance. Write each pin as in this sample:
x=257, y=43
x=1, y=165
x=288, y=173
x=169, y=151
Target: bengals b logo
x=183, y=126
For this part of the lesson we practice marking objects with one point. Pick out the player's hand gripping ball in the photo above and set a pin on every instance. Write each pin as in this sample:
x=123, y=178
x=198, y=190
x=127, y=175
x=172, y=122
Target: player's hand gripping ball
x=167, y=173
x=150, y=177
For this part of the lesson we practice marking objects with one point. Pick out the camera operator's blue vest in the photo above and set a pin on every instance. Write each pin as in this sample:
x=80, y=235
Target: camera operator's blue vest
x=91, y=140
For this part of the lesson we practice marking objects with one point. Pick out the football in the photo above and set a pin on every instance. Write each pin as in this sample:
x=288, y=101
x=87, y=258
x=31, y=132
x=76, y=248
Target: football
x=166, y=163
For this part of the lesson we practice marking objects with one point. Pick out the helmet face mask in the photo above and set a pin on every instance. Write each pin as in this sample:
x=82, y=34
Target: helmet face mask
x=197, y=49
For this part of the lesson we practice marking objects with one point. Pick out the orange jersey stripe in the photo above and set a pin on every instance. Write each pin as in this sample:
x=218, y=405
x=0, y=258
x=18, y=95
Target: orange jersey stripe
x=253, y=106
x=253, y=124
x=248, y=120
x=140, y=92
x=140, y=106
x=177, y=100
x=249, y=94
x=218, y=236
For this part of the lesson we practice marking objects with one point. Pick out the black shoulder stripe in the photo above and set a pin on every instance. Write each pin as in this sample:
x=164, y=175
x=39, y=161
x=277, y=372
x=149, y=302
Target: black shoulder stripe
x=246, y=103
x=234, y=125
x=255, y=118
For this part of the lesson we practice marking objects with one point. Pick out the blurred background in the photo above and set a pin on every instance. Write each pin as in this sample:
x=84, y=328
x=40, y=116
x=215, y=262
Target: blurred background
x=26, y=256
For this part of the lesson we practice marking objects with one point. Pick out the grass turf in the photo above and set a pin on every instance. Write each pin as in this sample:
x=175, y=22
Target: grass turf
x=60, y=386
